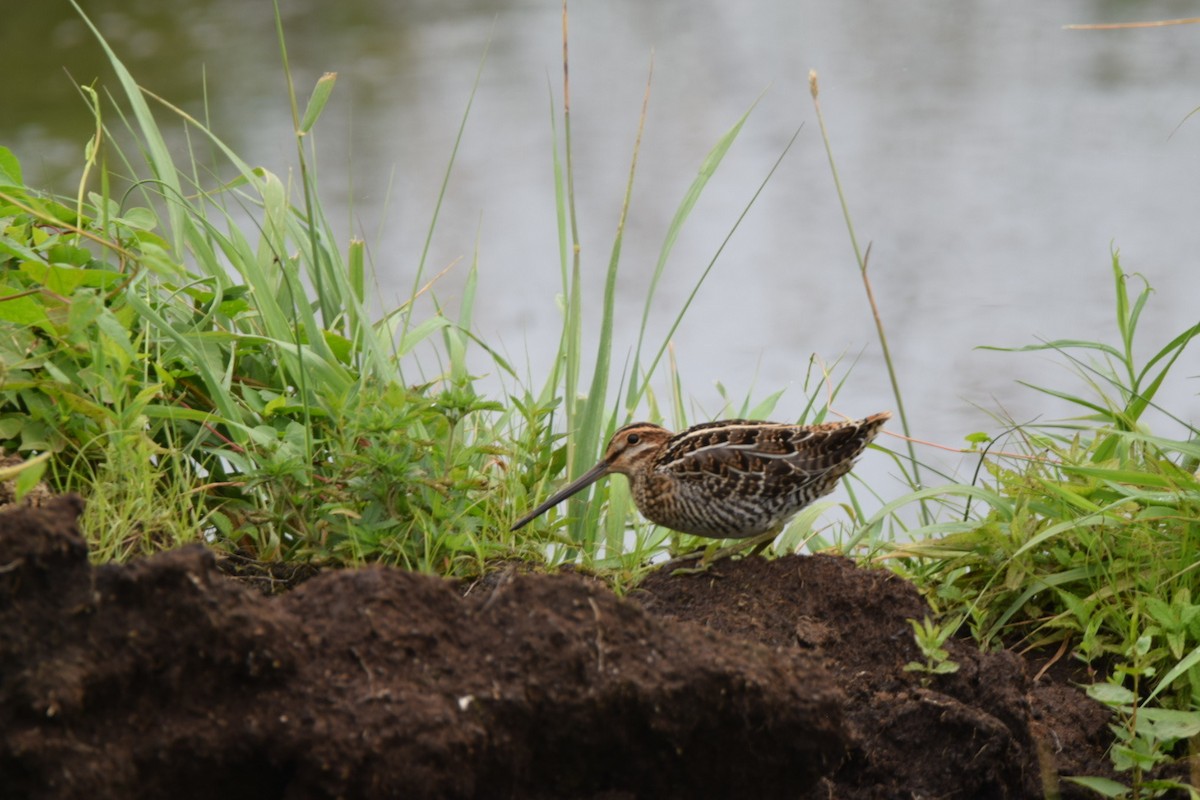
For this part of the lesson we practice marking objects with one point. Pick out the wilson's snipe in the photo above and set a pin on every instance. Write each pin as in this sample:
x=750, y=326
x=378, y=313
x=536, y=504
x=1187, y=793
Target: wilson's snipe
x=732, y=479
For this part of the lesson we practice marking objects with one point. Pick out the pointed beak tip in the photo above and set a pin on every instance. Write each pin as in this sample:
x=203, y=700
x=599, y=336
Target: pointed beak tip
x=580, y=483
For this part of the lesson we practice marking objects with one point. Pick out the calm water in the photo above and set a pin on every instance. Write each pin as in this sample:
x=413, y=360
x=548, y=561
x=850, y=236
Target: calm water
x=991, y=158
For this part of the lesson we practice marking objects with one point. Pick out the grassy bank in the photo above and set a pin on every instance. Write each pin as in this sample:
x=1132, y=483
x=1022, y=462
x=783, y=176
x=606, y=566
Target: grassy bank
x=187, y=343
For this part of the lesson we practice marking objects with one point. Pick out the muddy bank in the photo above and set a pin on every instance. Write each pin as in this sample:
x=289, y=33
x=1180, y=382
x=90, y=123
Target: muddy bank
x=765, y=679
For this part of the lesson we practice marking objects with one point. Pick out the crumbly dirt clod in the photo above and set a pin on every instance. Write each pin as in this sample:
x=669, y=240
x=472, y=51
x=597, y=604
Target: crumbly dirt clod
x=167, y=678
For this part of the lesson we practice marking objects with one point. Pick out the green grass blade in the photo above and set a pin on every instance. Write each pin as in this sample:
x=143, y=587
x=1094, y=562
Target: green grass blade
x=707, y=169
x=316, y=102
x=156, y=146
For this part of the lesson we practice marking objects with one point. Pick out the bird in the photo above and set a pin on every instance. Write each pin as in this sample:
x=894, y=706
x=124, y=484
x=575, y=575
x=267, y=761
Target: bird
x=730, y=479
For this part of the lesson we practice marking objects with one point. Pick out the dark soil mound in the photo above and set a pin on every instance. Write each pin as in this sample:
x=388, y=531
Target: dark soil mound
x=165, y=678
x=983, y=731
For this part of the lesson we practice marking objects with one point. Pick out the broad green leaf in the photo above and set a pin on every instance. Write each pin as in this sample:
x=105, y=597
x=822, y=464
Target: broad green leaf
x=31, y=472
x=10, y=170
x=27, y=309
x=1110, y=694
x=341, y=347
x=1170, y=723
x=17, y=249
x=138, y=218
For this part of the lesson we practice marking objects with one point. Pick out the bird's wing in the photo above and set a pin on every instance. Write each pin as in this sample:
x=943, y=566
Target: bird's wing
x=791, y=454
x=737, y=448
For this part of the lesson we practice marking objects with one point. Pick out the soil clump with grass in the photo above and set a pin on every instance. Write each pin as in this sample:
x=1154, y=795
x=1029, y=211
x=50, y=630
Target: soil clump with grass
x=167, y=677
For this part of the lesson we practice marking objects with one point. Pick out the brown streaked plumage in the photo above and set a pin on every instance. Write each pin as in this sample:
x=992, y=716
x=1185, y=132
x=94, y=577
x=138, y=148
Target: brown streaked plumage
x=732, y=479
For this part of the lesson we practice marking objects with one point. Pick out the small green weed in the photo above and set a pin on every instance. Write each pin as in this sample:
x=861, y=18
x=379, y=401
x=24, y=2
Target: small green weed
x=1145, y=738
x=931, y=639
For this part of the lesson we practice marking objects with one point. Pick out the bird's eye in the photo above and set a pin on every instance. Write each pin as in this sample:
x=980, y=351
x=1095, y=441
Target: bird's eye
x=632, y=438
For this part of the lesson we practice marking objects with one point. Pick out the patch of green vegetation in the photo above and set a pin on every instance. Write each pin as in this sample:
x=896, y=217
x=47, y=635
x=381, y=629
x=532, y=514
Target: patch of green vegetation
x=163, y=342
x=1087, y=538
x=190, y=341
x=187, y=398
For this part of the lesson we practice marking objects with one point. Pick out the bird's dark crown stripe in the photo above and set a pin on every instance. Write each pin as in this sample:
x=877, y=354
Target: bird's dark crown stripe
x=637, y=426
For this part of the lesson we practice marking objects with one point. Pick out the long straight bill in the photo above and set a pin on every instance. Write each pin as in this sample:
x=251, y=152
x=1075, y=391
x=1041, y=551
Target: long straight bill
x=579, y=484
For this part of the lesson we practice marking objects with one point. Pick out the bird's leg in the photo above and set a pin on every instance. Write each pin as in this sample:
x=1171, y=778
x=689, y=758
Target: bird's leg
x=756, y=545
x=709, y=555
x=759, y=544
x=701, y=555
